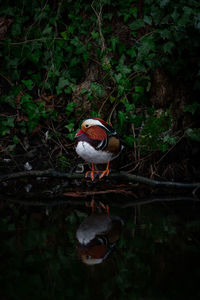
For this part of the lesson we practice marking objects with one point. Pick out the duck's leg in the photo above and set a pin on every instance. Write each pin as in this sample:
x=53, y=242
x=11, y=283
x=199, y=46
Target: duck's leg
x=106, y=207
x=92, y=204
x=105, y=172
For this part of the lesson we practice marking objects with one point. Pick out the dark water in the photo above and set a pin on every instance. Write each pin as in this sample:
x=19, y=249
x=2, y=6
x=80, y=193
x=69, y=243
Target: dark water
x=157, y=256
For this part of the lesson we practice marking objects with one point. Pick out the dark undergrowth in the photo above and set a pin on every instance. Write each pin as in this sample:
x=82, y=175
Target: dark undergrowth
x=135, y=64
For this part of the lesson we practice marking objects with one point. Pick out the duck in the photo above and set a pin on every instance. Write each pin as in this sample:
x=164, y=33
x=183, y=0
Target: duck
x=97, y=143
x=97, y=236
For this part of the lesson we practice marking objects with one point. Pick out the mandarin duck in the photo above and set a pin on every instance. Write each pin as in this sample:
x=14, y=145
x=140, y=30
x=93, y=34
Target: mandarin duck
x=97, y=143
x=97, y=236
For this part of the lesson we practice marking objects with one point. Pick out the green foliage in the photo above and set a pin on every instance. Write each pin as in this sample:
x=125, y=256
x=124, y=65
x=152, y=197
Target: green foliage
x=194, y=134
x=48, y=49
x=71, y=120
x=152, y=134
x=192, y=108
x=5, y=124
x=33, y=111
x=63, y=163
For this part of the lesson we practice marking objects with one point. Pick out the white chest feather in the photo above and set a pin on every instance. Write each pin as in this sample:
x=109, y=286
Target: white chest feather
x=91, y=227
x=90, y=154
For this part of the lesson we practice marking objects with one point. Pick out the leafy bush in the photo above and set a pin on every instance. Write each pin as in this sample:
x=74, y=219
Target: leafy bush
x=48, y=48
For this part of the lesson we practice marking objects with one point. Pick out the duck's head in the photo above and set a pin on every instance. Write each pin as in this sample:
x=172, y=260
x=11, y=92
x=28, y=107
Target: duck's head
x=92, y=253
x=95, y=125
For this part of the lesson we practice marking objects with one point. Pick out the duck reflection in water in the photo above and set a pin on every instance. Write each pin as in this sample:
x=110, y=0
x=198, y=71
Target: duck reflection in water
x=97, y=234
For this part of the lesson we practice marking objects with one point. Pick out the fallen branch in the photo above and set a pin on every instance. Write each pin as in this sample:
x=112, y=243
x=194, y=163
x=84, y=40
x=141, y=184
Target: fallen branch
x=122, y=176
x=152, y=182
x=36, y=173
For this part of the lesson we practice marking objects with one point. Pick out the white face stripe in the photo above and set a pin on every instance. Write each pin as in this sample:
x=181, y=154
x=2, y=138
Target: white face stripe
x=92, y=122
x=92, y=261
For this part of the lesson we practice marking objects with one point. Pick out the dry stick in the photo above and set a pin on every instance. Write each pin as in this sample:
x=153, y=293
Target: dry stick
x=122, y=175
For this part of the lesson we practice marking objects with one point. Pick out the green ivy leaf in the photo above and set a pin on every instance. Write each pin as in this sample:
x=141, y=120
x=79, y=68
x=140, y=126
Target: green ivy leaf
x=95, y=35
x=35, y=56
x=98, y=89
x=112, y=99
x=9, y=122
x=131, y=52
x=168, y=47
x=134, y=12
x=163, y=3
x=192, y=108
x=122, y=118
x=70, y=127
x=64, y=35
x=139, y=89
x=137, y=24
x=28, y=83
x=47, y=30
x=16, y=140
x=194, y=134
x=129, y=107
x=129, y=140
x=114, y=41
x=147, y=20
x=171, y=140
x=164, y=33
x=62, y=82
x=70, y=107
x=139, y=68
x=118, y=77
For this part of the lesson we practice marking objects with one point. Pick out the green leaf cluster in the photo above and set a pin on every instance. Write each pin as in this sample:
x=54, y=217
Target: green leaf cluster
x=49, y=48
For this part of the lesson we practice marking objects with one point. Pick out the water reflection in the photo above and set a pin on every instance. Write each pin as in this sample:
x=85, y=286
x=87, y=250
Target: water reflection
x=156, y=256
x=97, y=236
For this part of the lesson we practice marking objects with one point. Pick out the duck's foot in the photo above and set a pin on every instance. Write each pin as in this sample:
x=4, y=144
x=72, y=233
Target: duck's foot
x=105, y=172
x=92, y=204
x=97, y=174
x=106, y=207
x=92, y=174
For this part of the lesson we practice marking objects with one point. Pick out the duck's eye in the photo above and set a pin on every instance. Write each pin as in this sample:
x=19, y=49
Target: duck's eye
x=87, y=256
x=86, y=125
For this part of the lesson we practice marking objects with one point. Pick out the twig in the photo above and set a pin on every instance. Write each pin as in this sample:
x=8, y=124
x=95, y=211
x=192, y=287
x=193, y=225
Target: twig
x=134, y=144
x=10, y=83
